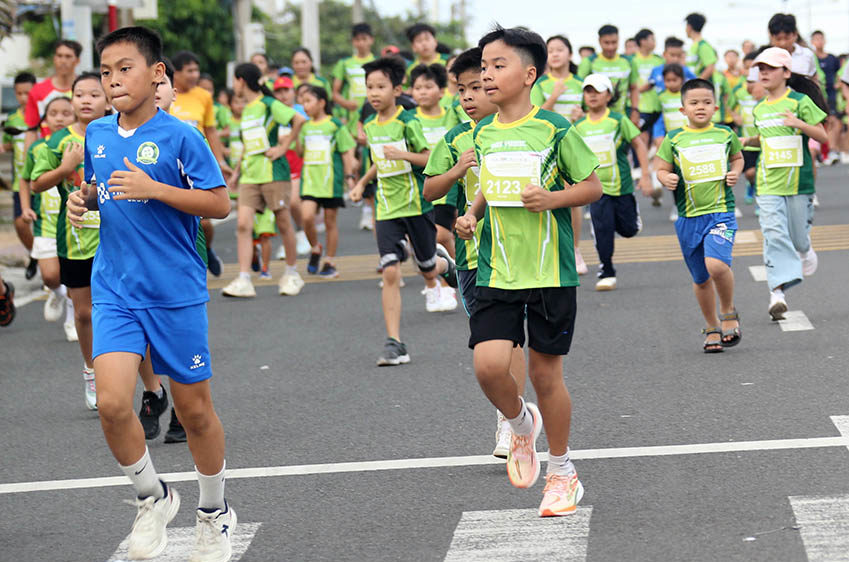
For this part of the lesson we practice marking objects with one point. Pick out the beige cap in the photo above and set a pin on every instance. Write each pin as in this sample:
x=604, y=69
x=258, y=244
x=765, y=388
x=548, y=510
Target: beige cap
x=775, y=57
x=599, y=82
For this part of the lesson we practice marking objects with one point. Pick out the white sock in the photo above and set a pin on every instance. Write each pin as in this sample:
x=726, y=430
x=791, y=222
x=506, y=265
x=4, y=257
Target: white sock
x=69, y=310
x=245, y=275
x=560, y=464
x=211, y=490
x=778, y=292
x=523, y=424
x=144, y=477
x=60, y=291
x=290, y=269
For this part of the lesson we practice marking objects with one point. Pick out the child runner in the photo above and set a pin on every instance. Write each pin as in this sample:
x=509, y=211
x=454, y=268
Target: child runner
x=559, y=90
x=643, y=63
x=428, y=83
x=43, y=213
x=671, y=116
x=349, y=80
x=700, y=163
x=526, y=263
x=60, y=164
x=452, y=168
x=263, y=178
x=611, y=136
x=617, y=68
x=790, y=114
x=745, y=97
x=397, y=145
x=701, y=58
x=422, y=37
x=328, y=152
x=154, y=178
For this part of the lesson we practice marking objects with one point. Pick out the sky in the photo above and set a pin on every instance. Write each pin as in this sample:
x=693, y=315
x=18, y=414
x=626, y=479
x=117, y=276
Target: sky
x=729, y=22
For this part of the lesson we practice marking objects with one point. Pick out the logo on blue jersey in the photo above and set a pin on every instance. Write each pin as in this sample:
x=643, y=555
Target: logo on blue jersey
x=100, y=152
x=197, y=363
x=148, y=153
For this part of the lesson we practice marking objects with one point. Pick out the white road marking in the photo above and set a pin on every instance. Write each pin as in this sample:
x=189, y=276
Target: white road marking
x=795, y=321
x=842, y=423
x=439, y=462
x=520, y=534
x=758, y=272
x=824, y=523
x=182, y=539
x=746, y=237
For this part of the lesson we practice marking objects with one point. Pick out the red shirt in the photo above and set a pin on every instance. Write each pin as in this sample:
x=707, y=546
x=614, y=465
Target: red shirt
x=39, y=96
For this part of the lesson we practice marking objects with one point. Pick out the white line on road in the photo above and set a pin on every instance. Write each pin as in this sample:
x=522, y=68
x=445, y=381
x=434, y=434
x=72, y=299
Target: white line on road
x=439, y=462
x=842, y=423
x=520, y=534
x=824, y=526
x=758, y=272
x=795, y=321
x=181, y=540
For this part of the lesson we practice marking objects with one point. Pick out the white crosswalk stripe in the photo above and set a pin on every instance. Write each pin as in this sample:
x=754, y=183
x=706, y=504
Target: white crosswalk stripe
x=182, y=539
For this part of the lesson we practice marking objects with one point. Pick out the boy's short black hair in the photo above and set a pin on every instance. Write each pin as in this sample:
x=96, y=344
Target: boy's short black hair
x=205, y=76
x=528, y=44
x=586, y=48
x=675, y=69
x=147, y=41
x=182, y=58
x=435, y=72
x=392, y=67
x=467, y=60
x=672, y=43
x=697, y=21
x=697, y=84
x=87, y=75
x=169, y=69
x=608, y=29
x=751, y=56
x=417, y=29
x=817, y=32
x=25, y=78
x=71, y=44
x=642, y=35
x=782, y=23
x=361, y=28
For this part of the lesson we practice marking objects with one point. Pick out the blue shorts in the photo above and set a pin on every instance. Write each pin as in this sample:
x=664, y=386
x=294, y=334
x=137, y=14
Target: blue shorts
x=177, y=337
x=706, y=236
x=467, y=283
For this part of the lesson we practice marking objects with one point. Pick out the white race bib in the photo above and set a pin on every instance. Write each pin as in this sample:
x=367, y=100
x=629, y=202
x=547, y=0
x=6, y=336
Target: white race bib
x=782, y=152
x=254, y=137
x=604, y=149
x=505, y=174
x=357, y=82
x=316, y=149
x=703, y=163
x=51, y=201
x=388, y=168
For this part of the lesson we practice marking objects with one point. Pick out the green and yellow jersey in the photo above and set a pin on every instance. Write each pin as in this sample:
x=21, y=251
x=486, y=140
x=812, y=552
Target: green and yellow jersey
x=700, y=160
x=434, y=128
x=45, y=204
x=315, y=80
x=610, y=138
x=744, y=104
x=618, y=70
x=19, y=154
x=71, y=243
x=259, y=131
x=440, y=59
x=520, y=249
x=670, y=109
x=642, y=67
x=324, y=142
x=350, y=72
x=700, y=56
x=572, y=96
x=784, y=165
x=721, y=91
x=399, y=183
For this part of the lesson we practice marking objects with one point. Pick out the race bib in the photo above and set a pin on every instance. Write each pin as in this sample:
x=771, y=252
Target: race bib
x=504, y=175
x=472, y=184
x=433, y=135
x=703, y=163
x=51, y=201
x=604, y=149
x=357, y=82
x=91, y=219
x=388, y=168
x=782, y=152
x=316, y=149
x=674, y=120
x=254, y=137
x=237, y=149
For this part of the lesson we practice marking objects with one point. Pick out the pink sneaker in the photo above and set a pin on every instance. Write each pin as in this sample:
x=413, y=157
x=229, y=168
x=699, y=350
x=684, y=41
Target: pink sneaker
x=561, y=495
x=522, y=460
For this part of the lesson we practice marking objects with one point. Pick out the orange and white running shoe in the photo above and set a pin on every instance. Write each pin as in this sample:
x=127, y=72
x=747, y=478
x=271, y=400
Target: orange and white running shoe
x=561, y=495
x=522, y=460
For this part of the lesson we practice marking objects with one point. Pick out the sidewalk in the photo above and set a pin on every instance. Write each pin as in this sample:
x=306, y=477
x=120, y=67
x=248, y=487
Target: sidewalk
x=12, y=253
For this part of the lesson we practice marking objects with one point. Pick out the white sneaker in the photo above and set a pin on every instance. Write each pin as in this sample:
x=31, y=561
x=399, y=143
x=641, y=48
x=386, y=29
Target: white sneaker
x=447, y=299
x=281, y=253
x=148, y=537
x=809, y=262
x=214, y=535
x=239, y=287
x=54, y=306
x=71, y=331
x=90, y=389
x=290, y=284
x=303, y=245
x=502, y=438
x=673, y=215
x=816, y=201
x=580, y=264
x=433, y=299
x=738, y=213
x=367, y=218
x=844, y=157
x=320, y=227
x=606, y=284
x=777, y=306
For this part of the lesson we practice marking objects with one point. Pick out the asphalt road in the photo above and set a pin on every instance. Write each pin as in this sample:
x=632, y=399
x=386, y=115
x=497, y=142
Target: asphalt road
x=295, y=384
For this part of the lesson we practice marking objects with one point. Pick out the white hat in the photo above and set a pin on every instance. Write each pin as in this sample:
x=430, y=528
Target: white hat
x=775, y=57
x=599, y=83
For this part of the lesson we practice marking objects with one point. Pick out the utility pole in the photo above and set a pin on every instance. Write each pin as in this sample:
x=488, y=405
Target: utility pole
x=357, y=11
x=241, y=19
x=76, y=25
x=309, y=30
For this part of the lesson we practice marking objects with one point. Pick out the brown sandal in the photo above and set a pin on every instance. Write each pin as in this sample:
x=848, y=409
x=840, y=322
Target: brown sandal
x=735, y=334
x=714, y=346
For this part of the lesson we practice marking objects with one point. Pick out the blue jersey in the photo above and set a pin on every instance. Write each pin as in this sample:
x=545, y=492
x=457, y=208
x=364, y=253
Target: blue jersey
x=147, y=256
x=656, y=77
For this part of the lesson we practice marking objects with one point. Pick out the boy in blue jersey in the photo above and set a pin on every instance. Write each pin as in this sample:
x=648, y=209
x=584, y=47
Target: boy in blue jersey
x=154, y=178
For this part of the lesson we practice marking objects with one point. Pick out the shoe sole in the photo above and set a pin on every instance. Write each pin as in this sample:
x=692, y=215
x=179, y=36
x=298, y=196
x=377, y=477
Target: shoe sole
x=536, y=465
x=777, y=311
x=171, y=439
x=160, y=548
x=571, y=511
x=500, y=452
x=235, y=296
x=227, y=555
x=402, y=360
x=603, y=288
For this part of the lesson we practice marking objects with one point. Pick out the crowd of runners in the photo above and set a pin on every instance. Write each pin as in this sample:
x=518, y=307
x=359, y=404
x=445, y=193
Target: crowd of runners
x=478, y=165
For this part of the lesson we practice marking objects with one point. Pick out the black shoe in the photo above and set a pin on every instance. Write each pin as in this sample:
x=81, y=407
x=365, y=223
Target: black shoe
x=450, y=274
x=176, y=433
x=152, y=407
x=213, y=262
x=255, y=262
x=32, y=269
x=7, y=305
x=394, y=353
x=315, y=261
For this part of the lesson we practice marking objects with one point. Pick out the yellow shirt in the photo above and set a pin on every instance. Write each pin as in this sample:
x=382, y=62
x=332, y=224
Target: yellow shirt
x=195, y=108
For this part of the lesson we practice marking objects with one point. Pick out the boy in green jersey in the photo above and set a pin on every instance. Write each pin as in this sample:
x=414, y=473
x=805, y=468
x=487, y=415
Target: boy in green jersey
x=700, y=163
x=611, y=137
x=349, y=79
x=642, y=64
x=452, y=169
x=786, y=118
x=701, y=58
x=428, y=83
x=618, y=69
x=526, y=259
x=14, y=140
x=422, y=37
x=399, y=151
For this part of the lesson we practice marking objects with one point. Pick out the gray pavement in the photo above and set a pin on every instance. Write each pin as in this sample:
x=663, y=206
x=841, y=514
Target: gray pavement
x=296, y=384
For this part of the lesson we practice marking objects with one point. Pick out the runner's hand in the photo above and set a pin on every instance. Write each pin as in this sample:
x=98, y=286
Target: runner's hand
x=731, y=178
x=465, y=226
x=73, y=156
x=132, y=183
x=536, y=199
x=669, y=181
x=77, y=204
